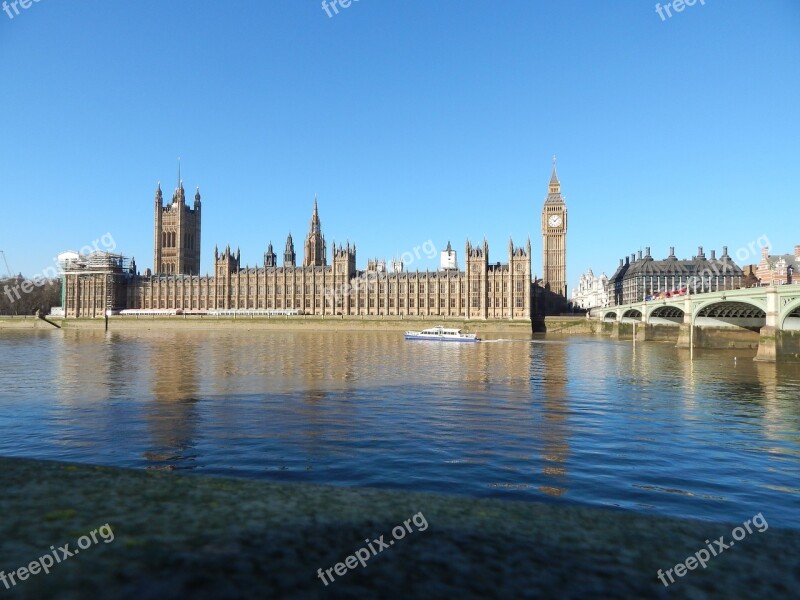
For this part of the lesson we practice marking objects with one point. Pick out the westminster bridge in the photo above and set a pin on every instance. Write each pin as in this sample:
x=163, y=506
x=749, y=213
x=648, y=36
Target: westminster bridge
x=766, y=317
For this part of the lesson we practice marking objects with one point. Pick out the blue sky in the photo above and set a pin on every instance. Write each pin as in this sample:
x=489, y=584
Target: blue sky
x=412, y=120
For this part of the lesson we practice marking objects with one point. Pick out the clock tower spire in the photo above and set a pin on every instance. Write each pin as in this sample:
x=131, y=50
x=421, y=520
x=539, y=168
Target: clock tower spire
x=554, y=238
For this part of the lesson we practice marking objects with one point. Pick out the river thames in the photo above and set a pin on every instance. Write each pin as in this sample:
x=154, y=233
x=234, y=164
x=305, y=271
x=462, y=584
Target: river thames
x=579, y=420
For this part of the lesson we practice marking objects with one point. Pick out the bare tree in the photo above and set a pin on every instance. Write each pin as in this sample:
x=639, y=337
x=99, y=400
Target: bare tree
x=19, y=296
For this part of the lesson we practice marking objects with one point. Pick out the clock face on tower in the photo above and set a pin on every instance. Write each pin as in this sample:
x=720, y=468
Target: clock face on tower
x=554, y=221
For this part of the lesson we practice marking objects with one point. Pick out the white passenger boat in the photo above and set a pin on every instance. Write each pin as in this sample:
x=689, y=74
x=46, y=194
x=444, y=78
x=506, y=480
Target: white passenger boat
x=442, y=334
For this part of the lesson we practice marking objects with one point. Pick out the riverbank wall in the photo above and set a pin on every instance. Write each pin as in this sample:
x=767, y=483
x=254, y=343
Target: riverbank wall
x=781, y=345
x=277, y=323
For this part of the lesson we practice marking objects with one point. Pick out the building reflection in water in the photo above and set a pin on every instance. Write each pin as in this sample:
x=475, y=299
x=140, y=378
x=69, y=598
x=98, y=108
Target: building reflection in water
x=549, y=372
x=173, y=418
x=93, y=380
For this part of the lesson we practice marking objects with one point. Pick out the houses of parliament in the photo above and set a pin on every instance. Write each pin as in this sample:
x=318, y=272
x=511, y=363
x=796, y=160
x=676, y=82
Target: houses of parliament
x=320, y=283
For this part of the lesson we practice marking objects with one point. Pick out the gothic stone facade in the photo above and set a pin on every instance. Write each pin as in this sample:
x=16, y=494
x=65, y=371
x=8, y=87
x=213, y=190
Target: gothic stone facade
x=482, y=291
x=176, y=244
x=554, y=238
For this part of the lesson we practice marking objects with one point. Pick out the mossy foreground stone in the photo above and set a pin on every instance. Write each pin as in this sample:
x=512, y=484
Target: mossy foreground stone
x=190, y=536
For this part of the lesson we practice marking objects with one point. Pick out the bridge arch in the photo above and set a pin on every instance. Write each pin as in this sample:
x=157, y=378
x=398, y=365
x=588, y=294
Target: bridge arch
x=632, y=314
x=790, y=316
x=743, y=314
x=610, y=315
x=666, y=314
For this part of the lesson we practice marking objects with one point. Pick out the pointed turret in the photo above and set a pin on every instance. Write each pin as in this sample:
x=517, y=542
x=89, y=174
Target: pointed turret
x=554, y=188
x=270, y=260
x=179, y=195
x=315, y=227
x=289, y=256
x=314, y=248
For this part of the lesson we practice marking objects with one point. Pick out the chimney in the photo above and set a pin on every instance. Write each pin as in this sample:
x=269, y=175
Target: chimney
x=724, y=251
x=700, y=253
x=672, y=251
x=713, y=255
x=765, y=252
x=633, y=258
x=639, y=255
x=647, y=252
x=797, y=252
x=621, y=262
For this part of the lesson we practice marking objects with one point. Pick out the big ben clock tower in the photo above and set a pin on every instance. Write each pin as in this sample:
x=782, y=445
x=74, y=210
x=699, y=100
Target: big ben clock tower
x=554, y=238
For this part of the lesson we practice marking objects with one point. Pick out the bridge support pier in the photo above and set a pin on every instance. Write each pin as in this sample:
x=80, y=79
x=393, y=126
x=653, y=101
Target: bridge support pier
x=768, y=340
x=767, y=344
x=684, y=336
x=775, y=345
x=622, y=331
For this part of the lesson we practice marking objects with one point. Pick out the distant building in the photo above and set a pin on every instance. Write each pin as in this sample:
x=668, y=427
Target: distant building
x=591, y=291
x=780, y=269
x=315, y=286
x=483, y=290
x=639, y=278
x=94, y=283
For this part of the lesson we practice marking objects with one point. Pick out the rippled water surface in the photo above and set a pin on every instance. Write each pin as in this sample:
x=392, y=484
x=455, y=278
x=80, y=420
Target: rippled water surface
x=584, y=420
